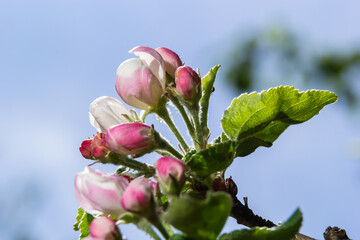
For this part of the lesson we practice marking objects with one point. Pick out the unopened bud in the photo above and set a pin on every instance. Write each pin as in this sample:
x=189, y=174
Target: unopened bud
x=85, y=149
x=104, y=228
x=96, y=148
x=131, y=139
x=171, y=174
x=138, y=196
x=188, y=83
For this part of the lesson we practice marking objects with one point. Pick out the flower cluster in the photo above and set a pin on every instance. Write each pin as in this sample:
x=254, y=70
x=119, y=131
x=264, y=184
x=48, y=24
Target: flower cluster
x=144, y=83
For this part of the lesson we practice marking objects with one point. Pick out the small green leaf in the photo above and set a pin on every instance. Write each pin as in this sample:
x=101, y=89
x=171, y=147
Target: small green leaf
x=207, y=84
x=78, y=217
x=83, y=220
x=267, y=114
x=285, y=231
x=215, y=158
x=199, y=219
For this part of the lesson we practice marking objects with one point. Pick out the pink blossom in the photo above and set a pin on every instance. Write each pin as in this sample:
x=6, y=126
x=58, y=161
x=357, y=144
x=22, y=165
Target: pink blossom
x=171, y=59
x=138, y=196
x=106, y=112
x=141, y=82
x=99, y=192
x=104, y=228
x=188, y=83
x=168, y=170
x=131, y=138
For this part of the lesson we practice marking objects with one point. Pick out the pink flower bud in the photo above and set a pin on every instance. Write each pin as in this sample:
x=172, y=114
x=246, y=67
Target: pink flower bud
x=131, y=138
x=106, y=112
x=99, y=192
x=94, y=148
x=171, y=174
x=188, y=83
x=104, y=228
x=171, y=59
x=138, y=196
x=141, y=82
x=85, y=149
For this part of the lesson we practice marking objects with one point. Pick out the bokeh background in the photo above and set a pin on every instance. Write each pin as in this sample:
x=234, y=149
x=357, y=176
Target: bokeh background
x=56, y=56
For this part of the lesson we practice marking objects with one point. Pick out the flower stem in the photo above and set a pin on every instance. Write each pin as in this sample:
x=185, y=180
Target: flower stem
x=194, y=111
x=163, y=113
x=185, y=116
x=123, y=160
x=163, y=144
x=154, y=220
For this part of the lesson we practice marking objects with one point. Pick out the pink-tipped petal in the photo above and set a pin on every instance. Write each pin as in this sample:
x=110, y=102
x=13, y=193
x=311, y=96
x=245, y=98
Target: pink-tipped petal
x=136, y=85
x=153, y=60
x=171, y=59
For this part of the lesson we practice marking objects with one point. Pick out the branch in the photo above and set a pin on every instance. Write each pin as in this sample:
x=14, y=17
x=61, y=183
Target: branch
x=335, y=233
x=242, y=213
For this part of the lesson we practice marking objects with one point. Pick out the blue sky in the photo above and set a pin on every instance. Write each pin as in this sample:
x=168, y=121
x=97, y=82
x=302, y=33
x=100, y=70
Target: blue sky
x=57, y=56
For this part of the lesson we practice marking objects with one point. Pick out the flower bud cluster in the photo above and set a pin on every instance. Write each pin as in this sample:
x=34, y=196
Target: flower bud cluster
x=96, y=148
x=141, y=83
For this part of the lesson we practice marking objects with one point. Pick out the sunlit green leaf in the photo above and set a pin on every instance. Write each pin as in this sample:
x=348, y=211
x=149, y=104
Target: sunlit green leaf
x=83, y=220
x=285, y=231
x=267, y=114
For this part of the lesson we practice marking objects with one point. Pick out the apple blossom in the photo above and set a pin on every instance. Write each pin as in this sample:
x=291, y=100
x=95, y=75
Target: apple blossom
x=171, y=59
x=140, y=82
x=131, y=138
x=106, y=112
x=99, y=192
x=138, y=196
x=188, y=83
x=104, y=228
x=171, y=174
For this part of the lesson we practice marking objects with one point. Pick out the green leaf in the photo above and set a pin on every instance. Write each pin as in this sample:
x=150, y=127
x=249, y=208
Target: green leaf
x=207, y=84
x=267, y=114
x=247, y=146
x=199, y=219
x=215, y=158
x=83, y=220
x=78, y=217
x=285, y=231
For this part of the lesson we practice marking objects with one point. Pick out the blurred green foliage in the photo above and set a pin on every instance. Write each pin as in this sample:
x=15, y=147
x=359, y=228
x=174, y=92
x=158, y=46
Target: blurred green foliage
x=277, y=56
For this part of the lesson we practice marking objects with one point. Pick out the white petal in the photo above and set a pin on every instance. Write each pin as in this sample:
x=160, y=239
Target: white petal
x=106, y=112
x=153, y=60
